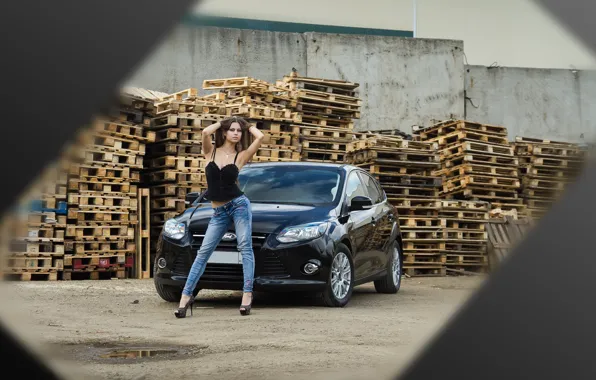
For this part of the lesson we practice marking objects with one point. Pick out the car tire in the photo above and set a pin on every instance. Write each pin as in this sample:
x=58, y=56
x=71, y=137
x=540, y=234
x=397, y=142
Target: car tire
x=390, y=284
x=168, y=293
x=341, y=258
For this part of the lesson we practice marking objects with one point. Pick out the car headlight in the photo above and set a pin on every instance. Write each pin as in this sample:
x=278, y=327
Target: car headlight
x=174, y=229
x=302, y=232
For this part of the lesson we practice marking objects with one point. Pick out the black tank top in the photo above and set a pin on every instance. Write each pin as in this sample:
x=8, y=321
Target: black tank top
x=222, y=184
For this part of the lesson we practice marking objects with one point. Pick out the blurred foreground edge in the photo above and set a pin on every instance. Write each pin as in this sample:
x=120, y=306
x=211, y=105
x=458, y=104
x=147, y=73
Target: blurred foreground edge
x=532, y=319
x=71, y=65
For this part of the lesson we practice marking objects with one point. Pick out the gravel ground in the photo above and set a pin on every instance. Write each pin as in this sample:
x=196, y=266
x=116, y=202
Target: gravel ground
x=74, y=323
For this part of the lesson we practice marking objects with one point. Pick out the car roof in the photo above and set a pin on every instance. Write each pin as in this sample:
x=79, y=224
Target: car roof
x=343, y=166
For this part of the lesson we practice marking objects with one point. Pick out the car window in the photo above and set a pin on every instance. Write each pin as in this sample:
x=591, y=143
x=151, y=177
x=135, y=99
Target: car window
x=290, y=184
x=354, y=187
x=371, y=187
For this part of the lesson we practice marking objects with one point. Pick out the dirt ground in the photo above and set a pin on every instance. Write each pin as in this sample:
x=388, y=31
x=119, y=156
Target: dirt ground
x=73, y=323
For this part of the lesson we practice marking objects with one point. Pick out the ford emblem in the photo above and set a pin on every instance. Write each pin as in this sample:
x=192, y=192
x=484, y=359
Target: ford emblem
x=229, y=236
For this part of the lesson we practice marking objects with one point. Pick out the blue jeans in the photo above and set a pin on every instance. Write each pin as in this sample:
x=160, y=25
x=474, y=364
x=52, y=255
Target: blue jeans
x=239, y=211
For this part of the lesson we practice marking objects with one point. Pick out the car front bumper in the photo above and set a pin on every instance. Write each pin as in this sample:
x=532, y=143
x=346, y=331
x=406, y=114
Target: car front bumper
x=278, y=267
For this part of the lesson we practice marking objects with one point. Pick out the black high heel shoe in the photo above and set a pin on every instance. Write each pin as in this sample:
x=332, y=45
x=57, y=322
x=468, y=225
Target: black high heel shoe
x=181, y=312
x=245, y=309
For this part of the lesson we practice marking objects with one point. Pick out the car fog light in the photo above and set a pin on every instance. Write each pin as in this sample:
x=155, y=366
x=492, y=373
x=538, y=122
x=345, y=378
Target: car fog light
x=310, y=268
x=161, y=263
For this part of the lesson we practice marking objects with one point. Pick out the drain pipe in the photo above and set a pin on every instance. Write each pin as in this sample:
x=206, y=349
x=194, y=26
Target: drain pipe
x=414, y=16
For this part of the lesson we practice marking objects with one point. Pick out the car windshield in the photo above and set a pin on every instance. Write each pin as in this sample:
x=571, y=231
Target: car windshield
x=302, y=185
x=290, y=184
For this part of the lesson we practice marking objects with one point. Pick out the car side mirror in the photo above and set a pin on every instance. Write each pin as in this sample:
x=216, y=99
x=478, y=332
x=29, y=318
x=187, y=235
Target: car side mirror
x=191, y=197
x=360, y=202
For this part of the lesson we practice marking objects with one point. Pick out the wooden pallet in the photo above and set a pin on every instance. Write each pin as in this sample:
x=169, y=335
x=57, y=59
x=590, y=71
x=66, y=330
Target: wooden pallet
x=474, y=169
x=41, y=261
x=102, y=187
x=392, y=171
x=409, y=222
x=476, y=180
x=481, y=159
x=94, y=261
x=282, y=139
x=101, y=216
x=174, y=149
x=103, y=140
x=530, y=140
x=167, y=204
x=470, y=147
x=101, y=202
x=100, y=233
x=143, y=236
x=409, y=158
x=31, y=276
x=106, y=247
x=276, y=127
x=425, y=271
x=410, y=180
x=101, y=156
x=324, y=146
x=398, y=192
x=390, y=143
x=450, y=126
x=327, y=121
x=235, y=83
x=182, y=164
x=171, y=175
x=484, y=193
x=123, y=130
x=259, y=112
x=463, y=135
x=97, y=274
x=318, y=156
x=175, y=190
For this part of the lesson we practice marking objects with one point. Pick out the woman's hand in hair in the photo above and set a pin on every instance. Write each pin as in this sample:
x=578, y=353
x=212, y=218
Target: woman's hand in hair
x=207, y=145
x=247, y=154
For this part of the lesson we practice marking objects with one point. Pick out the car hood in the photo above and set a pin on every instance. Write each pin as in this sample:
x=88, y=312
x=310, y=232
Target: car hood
x=267, y=218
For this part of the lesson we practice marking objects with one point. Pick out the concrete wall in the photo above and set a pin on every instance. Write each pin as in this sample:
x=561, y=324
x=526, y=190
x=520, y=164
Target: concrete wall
x=551, y=104
x=403, y=81
x=514, y=33
x=190, y=55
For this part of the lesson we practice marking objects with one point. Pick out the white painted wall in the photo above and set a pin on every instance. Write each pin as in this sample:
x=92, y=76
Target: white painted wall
x=516, y=33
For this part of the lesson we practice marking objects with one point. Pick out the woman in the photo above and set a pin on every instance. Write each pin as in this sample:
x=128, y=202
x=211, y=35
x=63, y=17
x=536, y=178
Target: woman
x=231, y=152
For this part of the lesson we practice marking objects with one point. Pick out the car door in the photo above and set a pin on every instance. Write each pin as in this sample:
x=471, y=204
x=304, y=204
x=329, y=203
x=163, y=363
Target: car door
x=383, y=219
x=360, y=228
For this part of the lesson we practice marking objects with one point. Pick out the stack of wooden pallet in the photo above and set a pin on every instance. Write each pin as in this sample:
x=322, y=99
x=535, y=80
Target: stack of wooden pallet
x=478, y=163
x=103, y=179
x=546, y=168
x=403, y=168
x=266, y=106
x=466, y=235
x=32, y=233
x=326, y=109
x=173, y=165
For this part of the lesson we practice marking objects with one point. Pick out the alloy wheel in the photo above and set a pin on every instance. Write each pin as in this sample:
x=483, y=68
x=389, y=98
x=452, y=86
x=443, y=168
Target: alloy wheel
x=396, y=266
x=341, y=275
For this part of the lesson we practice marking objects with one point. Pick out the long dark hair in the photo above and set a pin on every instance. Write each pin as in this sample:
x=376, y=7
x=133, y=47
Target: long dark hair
x=246, y=138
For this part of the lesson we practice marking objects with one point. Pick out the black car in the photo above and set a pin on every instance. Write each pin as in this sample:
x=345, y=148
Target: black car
x=321, y=228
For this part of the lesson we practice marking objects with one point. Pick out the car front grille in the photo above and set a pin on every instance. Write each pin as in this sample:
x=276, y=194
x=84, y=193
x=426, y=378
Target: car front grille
x=266, y=263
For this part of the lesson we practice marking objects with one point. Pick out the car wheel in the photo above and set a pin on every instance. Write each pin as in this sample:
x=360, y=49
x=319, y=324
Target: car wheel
x=168, y=293
x=392, y=281
x=341, y=279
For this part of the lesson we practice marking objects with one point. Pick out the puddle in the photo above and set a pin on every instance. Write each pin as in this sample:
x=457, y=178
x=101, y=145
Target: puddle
x=139, y=353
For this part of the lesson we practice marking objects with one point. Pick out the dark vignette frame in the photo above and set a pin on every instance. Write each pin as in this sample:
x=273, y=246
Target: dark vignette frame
x=517, y=326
